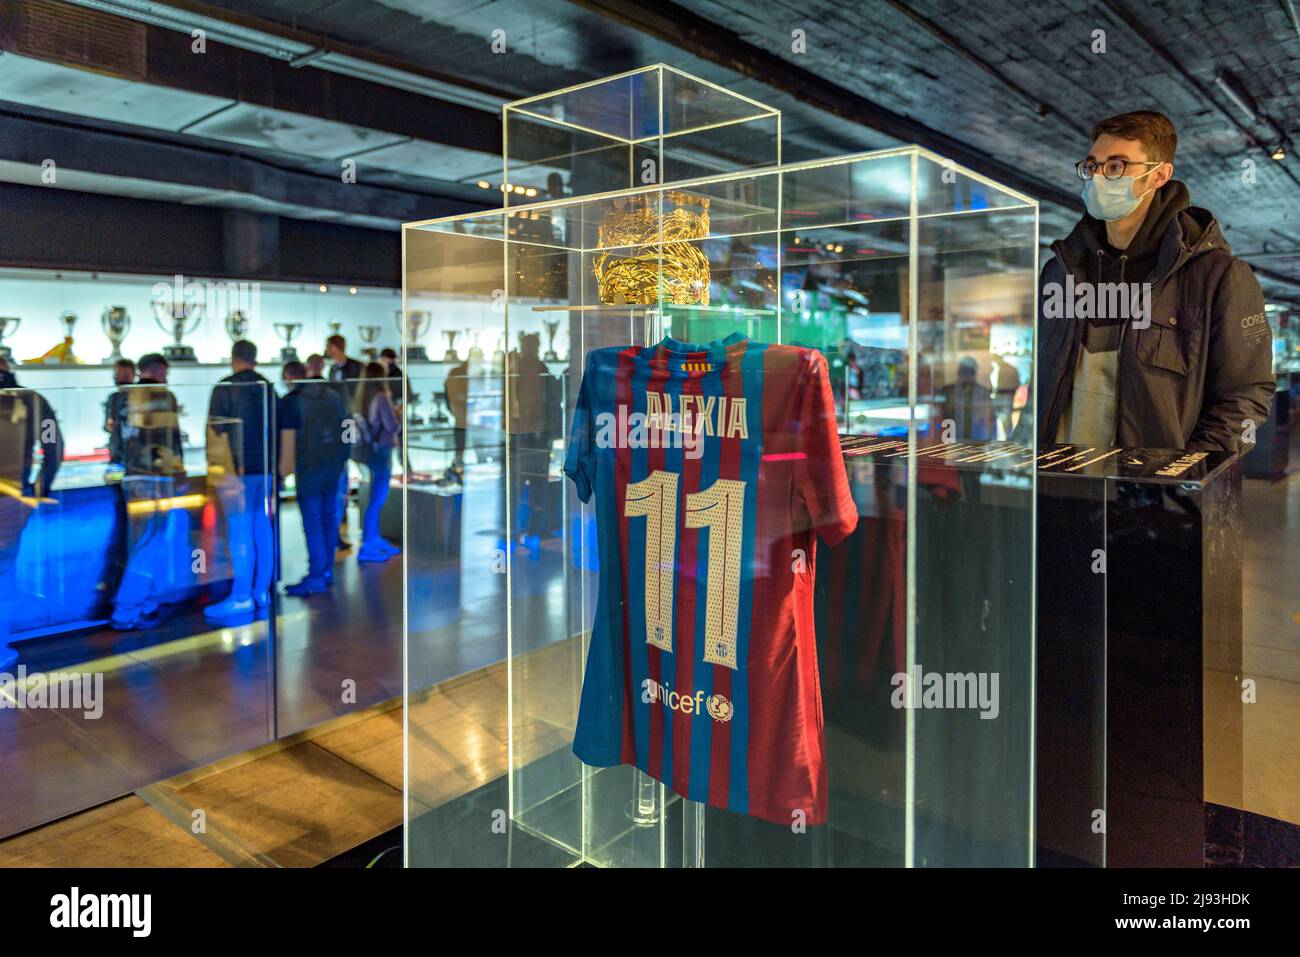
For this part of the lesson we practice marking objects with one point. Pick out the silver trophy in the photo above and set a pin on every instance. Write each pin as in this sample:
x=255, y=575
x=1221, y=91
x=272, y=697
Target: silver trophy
x=552, y=327
x=177, y=319
x=415, y=326
x=237, y=325
x=116, y=323
x=288, y=331
x=370, y=335
x=8, y=324
x=450, y=355
x=499, y=351
x=336, y=327
x=475, y=351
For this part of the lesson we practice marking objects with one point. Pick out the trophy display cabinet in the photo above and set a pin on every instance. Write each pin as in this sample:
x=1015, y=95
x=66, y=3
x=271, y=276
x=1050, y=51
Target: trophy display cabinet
x=655, y=204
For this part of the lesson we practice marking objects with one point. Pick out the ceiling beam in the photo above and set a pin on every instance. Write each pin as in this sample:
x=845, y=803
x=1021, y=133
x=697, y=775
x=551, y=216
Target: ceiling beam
x=256, y=78
x=28, y=141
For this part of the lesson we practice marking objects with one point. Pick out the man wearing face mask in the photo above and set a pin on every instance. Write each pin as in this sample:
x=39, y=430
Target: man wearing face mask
x=1172, y=350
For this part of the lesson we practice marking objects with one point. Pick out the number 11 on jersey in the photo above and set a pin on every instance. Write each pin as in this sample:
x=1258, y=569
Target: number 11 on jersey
x=720, y=508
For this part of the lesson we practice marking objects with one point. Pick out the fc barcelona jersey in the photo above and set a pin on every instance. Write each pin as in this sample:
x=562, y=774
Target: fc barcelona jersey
x=711, y=468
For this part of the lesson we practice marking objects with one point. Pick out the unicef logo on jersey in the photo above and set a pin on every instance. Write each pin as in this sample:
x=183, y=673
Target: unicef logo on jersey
x=720, y=707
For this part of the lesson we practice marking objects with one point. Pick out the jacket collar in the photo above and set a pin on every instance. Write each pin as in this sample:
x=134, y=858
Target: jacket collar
x=1193, y=232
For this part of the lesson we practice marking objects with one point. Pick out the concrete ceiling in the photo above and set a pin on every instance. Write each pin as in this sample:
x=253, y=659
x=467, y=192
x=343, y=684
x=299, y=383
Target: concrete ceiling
x=1014, y=86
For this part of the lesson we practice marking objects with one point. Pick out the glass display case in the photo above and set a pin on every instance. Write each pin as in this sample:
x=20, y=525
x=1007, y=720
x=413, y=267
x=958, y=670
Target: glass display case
x=114, y=563
x=65, y=330
x=647, y=126
x=752, y=319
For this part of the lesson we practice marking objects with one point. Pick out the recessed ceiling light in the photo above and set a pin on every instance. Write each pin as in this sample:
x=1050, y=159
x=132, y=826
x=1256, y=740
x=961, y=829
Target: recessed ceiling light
x=324, y=288
x=484, y=184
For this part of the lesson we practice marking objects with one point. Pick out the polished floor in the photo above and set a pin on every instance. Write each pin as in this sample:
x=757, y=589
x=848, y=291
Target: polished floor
x=307, y=799
x=188, y=720
x=1271, y=649
x=187, y=693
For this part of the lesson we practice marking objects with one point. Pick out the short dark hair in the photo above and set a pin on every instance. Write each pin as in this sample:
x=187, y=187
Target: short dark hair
x=337, y=340
x=389, y=354
x=152, y=361
x=295, y=369
x=124, y=364
x=244, y=351
x=1153, y=130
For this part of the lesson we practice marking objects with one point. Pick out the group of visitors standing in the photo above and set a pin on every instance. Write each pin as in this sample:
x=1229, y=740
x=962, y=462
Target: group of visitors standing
x=256, y=440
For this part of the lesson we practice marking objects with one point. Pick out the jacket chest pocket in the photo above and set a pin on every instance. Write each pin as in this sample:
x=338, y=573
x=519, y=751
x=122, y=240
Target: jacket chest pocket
x=1166, y=343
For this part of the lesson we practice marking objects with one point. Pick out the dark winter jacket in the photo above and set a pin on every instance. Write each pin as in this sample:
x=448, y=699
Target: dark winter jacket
x=1200, y=372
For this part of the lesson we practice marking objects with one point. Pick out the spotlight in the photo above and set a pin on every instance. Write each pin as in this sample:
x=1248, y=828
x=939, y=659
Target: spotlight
x=324, y=288
x=484, y=184
x=1278, y=154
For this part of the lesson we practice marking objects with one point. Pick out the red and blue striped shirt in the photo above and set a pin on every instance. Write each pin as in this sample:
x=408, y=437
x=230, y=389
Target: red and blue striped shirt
x=712, y=468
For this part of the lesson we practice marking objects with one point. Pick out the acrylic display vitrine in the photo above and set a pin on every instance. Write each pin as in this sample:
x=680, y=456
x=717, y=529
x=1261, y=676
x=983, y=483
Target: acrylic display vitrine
x=915, y=279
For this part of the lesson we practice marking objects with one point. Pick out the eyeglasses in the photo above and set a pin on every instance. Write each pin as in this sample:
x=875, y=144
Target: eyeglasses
x=1111, y=169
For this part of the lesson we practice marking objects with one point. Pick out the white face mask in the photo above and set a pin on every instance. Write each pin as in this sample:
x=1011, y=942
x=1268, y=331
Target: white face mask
x=1112, y=199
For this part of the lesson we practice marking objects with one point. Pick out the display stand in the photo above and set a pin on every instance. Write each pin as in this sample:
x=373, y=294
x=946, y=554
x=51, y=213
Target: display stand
x=1140, y=653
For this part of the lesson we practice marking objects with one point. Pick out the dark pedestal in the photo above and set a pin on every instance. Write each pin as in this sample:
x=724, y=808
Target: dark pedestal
x=1139, y=655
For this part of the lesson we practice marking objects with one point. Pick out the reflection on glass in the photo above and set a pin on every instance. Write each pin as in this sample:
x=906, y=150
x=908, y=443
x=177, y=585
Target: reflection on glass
x=642, y=605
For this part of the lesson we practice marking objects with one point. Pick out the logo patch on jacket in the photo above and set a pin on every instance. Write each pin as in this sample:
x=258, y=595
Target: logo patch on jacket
x=1255, y=327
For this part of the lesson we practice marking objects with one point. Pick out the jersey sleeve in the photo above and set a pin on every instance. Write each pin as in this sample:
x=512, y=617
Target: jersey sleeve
x=580, y=458
x=822, y=481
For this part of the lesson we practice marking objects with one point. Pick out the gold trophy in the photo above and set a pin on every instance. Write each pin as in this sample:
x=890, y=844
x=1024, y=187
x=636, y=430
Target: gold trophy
x=61, y=355
x=652, y=253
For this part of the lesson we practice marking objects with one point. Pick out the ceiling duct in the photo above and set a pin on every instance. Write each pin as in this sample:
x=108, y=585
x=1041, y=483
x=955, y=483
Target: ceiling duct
x=294, y=50
x=77, y=36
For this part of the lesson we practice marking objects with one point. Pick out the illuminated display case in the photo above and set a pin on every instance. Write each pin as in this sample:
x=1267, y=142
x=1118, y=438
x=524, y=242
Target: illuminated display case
x=647, y=126
x=913, y=280
x=109, y=307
